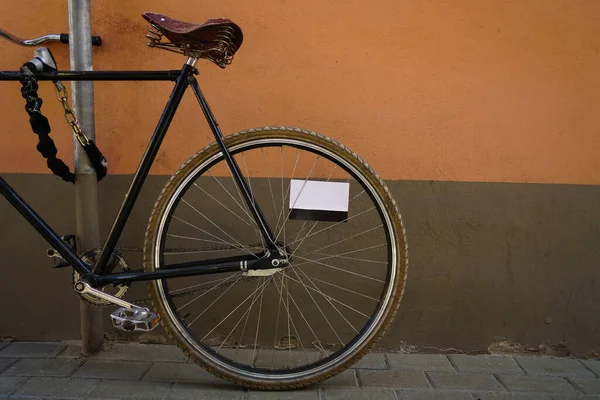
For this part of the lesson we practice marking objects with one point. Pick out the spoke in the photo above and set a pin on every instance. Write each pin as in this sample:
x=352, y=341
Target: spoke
x=235, y=309
x=353, y=258
x=268, y=179
x=238, y=274
x=339, y=269
x=248, y=177
x=233, y=329
x=240, y=247
x=290, y=321
x=224, y=206
x=303, y=317
x=220, y=229
x=198, y=285
x=193, y=238
x=287, y=191
x=326, y=298
x=232, y=197
x=299, y=231
x=316, y=222
x=301, y=190
x=248, y=315
x=351, y=237
x=356, y=196
x=282, y=185
x=303, y=240
x=333, y=299
x=276, y=325
x=258, y=320
x=240, y=205
x=340, y=287
x=287, y=308
x=336, y=224
x=319, y=308
x=348, y=252
x=211, y=304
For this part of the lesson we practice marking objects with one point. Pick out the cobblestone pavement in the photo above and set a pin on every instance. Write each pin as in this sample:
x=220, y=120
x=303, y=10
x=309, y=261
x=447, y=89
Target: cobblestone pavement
x=139, y=371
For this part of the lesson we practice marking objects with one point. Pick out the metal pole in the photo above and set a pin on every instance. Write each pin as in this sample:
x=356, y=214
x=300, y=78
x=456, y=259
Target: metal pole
x=86, y=193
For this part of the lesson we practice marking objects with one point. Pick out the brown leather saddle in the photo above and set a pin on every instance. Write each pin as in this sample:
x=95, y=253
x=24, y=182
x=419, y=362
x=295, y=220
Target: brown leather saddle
x=207, y=40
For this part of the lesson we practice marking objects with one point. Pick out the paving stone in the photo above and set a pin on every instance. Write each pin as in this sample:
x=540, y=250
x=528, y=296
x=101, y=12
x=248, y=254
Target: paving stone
x=358, y=394
x=346, y=379
x=103, y=369
x=486, y=364
x=551, y=396
x=56, y=387
x=552, y=384
x=141, y=352
x=178, y=372
x=268, y=358
x=464, y=381
x=508, y=396
x=72, y=350
x=9, y=383
x=32, y=349
x=420, y=362
x=131, y=390
x=5, y=363
x=393, y=379
x=17, y=398
x=594, y=365
x=303, y=394
x=431, y=395
x=43, y=367
x=192, y=391
x=371, y=361
x=590, y=386
x=553, y=366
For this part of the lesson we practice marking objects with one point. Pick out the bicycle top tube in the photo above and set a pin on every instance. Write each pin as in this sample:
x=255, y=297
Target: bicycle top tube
x=170, y=75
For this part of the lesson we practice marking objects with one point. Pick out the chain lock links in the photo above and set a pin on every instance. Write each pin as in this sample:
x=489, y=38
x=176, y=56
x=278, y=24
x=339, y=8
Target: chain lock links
x=61, y=93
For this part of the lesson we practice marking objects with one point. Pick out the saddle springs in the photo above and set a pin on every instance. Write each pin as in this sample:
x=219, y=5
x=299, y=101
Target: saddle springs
x=219, y=50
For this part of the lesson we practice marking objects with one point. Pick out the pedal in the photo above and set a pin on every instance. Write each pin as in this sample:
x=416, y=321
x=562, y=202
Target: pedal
x=127, y=318
x=134, y=320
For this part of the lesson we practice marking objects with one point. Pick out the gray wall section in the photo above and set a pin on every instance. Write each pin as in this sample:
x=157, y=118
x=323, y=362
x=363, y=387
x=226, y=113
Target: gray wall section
x=488, y=262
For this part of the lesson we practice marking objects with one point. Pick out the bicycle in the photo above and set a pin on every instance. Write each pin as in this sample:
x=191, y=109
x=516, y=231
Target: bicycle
x=306, y=239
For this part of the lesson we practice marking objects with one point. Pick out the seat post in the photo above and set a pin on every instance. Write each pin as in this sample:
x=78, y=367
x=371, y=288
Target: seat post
x=192, y=61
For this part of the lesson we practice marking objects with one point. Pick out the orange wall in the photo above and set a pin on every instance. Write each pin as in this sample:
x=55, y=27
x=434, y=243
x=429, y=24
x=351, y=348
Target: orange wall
x=463, y=90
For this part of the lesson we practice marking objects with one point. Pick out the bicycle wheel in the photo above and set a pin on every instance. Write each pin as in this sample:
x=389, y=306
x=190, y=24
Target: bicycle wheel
x=299, y=324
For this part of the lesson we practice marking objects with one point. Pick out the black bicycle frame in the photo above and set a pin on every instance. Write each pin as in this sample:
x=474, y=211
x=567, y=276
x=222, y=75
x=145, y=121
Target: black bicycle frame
x=97, y=275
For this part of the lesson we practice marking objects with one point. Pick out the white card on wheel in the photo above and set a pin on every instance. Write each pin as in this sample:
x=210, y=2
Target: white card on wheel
x=319, y=200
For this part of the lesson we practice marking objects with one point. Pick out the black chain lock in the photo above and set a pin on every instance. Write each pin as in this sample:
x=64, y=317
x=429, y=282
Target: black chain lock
x=41, y=126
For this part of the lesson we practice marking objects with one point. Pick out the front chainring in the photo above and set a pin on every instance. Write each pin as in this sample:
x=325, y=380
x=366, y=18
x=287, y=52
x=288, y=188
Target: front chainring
x=116, y=263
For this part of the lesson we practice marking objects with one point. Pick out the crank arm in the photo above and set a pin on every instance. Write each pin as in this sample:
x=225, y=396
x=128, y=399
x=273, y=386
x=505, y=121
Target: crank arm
x=85, y=288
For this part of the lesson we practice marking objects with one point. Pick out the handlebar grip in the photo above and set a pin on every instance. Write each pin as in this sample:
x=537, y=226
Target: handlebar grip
x=96, y=40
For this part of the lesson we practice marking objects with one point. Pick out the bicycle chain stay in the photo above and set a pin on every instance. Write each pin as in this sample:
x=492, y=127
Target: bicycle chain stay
x=192, y=290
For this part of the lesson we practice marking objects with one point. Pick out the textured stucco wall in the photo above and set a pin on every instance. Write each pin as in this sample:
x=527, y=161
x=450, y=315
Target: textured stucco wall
x=481, y=116
x=441, y=90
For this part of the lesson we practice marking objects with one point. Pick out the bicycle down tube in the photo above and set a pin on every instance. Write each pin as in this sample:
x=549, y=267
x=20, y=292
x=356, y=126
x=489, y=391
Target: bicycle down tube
x=94, y=275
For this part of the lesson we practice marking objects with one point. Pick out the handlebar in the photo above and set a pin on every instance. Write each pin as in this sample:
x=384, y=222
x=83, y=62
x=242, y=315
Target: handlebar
x=63, y=38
